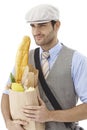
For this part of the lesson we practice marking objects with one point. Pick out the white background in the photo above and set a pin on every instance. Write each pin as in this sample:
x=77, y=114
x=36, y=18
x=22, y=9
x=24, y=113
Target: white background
x=73, y=31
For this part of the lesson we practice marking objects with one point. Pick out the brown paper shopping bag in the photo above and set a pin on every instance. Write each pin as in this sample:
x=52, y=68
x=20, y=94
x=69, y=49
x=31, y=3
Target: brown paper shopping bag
x=20, y=99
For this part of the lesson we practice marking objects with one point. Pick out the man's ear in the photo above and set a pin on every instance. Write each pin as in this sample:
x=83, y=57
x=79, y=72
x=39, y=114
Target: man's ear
x=57, y=25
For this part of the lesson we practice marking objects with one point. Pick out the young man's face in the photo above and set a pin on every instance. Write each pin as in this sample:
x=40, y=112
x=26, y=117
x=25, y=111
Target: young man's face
x=44, y=33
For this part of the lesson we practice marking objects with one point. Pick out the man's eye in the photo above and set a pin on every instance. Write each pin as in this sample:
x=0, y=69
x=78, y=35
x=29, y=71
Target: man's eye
x=42, y=25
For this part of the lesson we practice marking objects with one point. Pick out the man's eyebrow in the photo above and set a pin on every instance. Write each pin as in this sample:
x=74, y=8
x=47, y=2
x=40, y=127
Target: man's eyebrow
x=31, y=24
x=42, y=23
x=39, y=24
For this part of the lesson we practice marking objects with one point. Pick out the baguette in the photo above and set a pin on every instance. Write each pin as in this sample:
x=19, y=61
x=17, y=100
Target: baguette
x=22, y=57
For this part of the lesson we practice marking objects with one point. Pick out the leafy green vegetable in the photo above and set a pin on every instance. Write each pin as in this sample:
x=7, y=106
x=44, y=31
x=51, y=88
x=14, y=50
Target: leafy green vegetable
x=12, y=78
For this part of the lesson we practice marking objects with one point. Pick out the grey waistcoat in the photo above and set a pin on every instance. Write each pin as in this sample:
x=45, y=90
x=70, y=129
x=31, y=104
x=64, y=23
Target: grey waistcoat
x=61, y=84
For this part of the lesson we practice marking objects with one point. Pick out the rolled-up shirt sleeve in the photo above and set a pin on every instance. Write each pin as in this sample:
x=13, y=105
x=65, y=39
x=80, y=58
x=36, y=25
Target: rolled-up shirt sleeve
x=79, y=75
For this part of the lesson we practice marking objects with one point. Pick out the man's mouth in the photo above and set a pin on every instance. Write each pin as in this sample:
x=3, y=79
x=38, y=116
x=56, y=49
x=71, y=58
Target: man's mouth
x=38, y=37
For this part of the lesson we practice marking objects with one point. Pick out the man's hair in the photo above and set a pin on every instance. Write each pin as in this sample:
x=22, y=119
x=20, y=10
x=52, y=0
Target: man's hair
x=53, y=23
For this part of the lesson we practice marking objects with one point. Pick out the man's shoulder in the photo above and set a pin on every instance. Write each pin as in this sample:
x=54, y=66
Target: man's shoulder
x=68, y=48
x=79, y=57
x=67, y=51
x=32, y=51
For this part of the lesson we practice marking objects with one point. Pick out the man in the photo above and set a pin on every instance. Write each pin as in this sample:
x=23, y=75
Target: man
x=66, y=76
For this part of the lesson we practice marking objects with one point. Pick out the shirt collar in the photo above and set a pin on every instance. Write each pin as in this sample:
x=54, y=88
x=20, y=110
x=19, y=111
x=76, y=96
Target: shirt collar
x=53, y=51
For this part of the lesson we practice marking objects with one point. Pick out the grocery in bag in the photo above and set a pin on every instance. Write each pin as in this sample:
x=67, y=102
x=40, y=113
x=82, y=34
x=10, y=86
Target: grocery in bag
x=24, y=86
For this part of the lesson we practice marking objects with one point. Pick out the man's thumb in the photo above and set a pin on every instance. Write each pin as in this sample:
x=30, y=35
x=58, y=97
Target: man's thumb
x=41, y=102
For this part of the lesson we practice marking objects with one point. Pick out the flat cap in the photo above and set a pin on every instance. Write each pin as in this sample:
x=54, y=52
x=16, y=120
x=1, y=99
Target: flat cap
x=42, y=13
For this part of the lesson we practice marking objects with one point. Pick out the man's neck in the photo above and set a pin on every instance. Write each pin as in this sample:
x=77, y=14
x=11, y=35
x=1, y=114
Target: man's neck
x=49, y=46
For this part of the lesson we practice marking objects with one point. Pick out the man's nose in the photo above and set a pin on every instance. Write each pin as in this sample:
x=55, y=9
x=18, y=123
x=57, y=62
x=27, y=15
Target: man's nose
x=37, y=31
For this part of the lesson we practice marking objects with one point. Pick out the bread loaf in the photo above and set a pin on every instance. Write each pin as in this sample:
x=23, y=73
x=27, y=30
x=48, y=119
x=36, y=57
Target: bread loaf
x=22, y=57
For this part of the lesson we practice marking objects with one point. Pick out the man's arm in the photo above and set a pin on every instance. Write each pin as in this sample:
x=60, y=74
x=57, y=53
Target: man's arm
x=10, y=124
x=74, y=114
x=5, y=108
x=42, y=114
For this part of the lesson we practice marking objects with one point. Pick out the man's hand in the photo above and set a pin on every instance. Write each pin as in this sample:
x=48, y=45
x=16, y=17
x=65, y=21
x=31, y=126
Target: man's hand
x=16, y=125
x=37, y=113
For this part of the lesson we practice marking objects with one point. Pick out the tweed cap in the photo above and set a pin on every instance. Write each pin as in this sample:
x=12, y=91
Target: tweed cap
x=42, y=13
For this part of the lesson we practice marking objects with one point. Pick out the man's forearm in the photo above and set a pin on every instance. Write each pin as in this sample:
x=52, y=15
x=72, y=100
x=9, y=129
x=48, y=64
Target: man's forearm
x=5, y=108
x=70, y=115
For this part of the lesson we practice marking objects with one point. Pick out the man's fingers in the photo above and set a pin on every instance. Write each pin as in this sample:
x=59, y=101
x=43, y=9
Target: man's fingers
x=27, y=107
x=20, y=122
